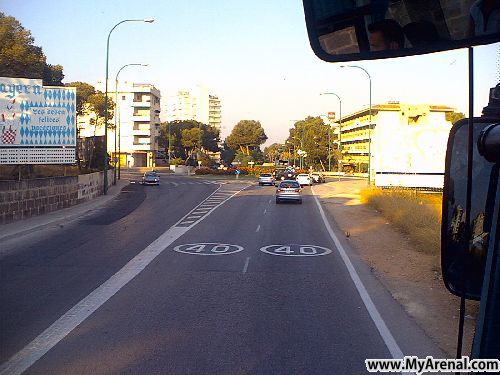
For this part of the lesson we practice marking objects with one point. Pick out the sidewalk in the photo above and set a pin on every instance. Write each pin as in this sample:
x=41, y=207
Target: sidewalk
x=65, y=215
x=413, y=277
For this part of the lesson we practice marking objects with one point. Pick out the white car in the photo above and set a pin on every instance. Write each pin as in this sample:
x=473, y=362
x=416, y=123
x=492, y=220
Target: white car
x=266, y=179
x=304, y=179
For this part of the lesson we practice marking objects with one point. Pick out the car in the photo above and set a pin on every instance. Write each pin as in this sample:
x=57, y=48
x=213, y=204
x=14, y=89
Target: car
x=304, y=179
x=266, y=179
x=151, y=178
x=284, y=174
x=318, y=177
x=288, y=191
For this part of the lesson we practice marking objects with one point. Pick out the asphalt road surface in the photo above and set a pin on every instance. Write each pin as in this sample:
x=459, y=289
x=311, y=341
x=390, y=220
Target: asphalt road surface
x=193, y=277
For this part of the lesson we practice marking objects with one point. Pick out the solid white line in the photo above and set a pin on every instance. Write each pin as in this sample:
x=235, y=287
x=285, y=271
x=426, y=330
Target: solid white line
x=45, y=341
x=265, y=211
x=245, y=267
x=384, y=331
x=258, y=228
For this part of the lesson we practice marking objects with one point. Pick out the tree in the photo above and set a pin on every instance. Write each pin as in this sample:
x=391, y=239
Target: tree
x=311, y=135
x=183, y=144
x=274, y=151
x=83, y=92
x=20, y=58
x=190, y=140
x=97, y=108
x=454, y=116
x=246, y=136
x=227, y=154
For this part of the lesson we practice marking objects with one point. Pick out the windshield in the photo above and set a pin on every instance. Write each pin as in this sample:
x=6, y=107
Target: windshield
x=135, y=233
x=289, y=184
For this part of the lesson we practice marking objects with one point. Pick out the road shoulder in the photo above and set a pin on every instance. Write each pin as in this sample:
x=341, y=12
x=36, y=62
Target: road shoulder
x=411, y=276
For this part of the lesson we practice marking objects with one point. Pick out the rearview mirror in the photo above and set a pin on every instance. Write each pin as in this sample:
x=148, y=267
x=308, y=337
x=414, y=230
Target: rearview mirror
x=464, y=246
x=342, y=30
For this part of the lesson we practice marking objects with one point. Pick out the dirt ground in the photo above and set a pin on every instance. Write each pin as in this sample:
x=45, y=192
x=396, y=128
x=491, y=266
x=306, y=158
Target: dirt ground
x=412, y=276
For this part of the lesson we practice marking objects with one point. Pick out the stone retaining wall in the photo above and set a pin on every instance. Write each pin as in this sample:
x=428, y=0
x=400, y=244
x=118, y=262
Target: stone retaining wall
x=26, y=198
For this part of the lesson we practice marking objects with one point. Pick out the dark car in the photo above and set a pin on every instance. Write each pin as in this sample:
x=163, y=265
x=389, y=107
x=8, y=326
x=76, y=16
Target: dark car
x=151, y=178
x=284, y=174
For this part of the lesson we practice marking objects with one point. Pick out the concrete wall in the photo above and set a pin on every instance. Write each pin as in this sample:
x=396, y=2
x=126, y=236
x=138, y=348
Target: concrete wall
x=23, y=199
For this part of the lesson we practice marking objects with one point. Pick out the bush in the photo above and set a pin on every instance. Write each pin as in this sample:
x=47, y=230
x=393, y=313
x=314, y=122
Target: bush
x=417, y=215
x=177, y=161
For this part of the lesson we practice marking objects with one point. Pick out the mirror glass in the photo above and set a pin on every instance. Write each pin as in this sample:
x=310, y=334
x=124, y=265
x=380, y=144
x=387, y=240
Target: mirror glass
x=463, y=250
x=348, y=30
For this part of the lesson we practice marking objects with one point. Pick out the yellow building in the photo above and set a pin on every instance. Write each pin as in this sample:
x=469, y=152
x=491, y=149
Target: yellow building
x=406, y=141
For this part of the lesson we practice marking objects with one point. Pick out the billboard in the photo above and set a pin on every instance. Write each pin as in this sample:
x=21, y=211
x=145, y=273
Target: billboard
x=37, y=123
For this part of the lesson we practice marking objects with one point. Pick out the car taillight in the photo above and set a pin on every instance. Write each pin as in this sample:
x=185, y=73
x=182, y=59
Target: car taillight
x=297, y=190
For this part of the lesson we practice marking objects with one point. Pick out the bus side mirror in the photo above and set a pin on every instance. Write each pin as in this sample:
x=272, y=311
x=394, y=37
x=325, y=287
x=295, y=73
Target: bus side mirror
x=341, y=30
x=464, y=246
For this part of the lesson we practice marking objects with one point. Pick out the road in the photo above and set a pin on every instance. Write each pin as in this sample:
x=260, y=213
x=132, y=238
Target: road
x=193, y=277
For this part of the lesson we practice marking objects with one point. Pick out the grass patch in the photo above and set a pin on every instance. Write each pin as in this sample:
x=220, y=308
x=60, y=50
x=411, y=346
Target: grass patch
x=416, y=214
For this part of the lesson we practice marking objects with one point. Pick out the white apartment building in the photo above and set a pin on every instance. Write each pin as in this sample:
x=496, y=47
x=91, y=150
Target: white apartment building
x=197, y=104
x=406, y=144
x=137, y=119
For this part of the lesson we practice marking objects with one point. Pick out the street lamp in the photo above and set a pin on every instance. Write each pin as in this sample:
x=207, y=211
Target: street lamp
x=340, y=130
x=116, y=111
x=370, y=115
x=148, y=20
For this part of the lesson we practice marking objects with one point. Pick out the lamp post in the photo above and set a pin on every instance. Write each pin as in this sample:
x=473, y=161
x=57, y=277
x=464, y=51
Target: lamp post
x=119, y=123
x=340, y=130
x=169, y=159
x=370, y=116
x=148, y=20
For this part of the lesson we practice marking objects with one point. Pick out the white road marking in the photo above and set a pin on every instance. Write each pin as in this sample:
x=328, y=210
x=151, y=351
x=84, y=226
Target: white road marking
x=245, y=267
x=295, y=250
x=49, y=338
x=265, y=211
x=208, y=248
x=258, y=228
x=384, y=331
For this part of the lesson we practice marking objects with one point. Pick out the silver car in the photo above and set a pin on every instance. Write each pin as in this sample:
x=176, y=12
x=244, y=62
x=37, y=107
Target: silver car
x=288, y=191
x=151, y=178
x=266, y=179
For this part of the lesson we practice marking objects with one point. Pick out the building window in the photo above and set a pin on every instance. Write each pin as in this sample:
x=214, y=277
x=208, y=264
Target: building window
x=123, y=97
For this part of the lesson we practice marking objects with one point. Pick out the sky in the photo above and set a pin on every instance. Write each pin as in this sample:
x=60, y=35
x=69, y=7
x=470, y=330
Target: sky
x=255, y=55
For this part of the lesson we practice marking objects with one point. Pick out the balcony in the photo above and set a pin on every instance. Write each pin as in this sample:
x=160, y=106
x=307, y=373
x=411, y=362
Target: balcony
x=141, y=118
x=145, y=103
x=141, y=147
x=141, y=132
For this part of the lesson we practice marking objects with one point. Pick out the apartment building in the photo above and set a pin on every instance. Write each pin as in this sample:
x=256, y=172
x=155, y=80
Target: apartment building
x=137, y=119
x=196, y=104
x=408, y=143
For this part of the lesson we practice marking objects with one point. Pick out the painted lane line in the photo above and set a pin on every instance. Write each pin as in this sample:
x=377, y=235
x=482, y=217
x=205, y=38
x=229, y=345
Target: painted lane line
x=245, y=267
x=63, y=326
x=31, y=353
x=265, y=211
x=258, y=228
x=384, y=331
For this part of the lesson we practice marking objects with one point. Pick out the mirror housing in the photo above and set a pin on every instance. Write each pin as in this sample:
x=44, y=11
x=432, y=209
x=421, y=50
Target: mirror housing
x=464, y=246
x=341, y=31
